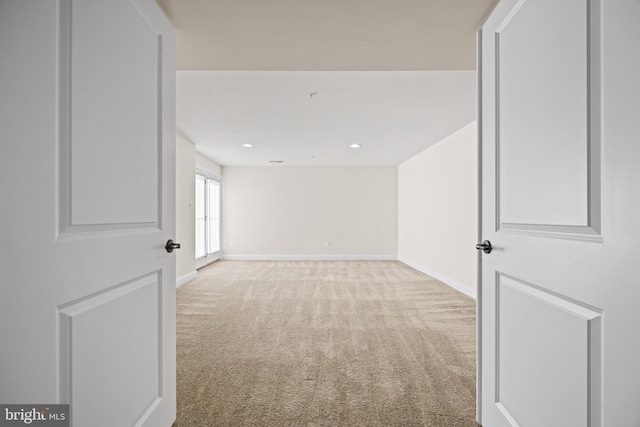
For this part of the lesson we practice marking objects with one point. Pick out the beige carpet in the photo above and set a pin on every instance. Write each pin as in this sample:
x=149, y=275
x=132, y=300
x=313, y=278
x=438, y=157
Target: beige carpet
x=324, y=343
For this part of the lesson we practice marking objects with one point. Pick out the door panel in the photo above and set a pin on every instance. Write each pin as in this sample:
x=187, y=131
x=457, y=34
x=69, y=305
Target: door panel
x=87, y=174
x=99, y=76
x=133, y=309
x=552, y=337
x=559, y=296
x=548, y=159
x=541, y=167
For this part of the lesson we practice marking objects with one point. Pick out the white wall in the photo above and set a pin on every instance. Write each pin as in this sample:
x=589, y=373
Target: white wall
x=438, y=210
x=185, y=215
x=291, y=212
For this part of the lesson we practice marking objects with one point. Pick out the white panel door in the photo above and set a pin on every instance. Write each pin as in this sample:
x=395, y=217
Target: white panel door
x=87, y=166
x=560, y=291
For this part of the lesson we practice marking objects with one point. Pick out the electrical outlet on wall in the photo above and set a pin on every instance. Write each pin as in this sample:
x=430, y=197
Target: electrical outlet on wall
x=231, y=242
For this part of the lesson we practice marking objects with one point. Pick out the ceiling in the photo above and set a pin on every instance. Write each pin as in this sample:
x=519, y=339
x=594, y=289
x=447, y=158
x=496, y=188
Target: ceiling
x=312, y=118
x=394, y=76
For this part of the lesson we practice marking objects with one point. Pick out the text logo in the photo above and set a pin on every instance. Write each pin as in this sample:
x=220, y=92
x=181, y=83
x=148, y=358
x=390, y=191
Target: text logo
x=34, y=415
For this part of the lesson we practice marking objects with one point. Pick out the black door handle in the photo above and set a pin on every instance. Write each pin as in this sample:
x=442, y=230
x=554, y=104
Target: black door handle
x=171, y=245
x=485, y=246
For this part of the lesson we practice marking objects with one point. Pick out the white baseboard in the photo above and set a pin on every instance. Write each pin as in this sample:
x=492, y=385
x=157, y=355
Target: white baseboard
x=183, y=280
x=458, y=286
x=320, y=257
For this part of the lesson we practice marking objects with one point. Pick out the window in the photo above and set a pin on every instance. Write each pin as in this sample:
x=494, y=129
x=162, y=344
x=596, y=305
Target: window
x=207, y=211
x=213, y=196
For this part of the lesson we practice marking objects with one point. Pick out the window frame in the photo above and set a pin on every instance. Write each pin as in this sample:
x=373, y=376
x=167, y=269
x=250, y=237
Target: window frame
x=212, y=256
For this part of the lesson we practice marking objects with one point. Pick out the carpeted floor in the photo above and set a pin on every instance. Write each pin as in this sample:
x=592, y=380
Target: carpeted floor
x=323, y=343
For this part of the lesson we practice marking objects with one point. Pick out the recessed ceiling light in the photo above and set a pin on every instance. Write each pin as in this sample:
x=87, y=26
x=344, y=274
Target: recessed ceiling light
x=247, y=145
x=355, y=146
